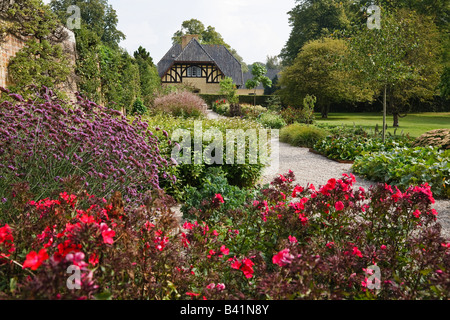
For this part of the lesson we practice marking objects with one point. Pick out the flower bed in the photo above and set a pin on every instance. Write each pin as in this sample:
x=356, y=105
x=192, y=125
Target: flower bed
x=289, y=242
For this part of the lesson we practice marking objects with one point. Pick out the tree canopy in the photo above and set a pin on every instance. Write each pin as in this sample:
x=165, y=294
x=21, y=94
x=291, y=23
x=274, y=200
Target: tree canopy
x=315, y=71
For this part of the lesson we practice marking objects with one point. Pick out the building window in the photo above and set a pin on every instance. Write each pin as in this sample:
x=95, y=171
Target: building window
x=194, y=72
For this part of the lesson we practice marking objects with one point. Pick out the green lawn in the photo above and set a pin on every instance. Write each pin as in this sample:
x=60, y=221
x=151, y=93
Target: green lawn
x=415, y=123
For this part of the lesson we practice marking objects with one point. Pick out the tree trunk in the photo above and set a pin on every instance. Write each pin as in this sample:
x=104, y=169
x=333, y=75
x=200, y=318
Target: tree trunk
x=325, y=112
x=396, y=116
x=384, y=113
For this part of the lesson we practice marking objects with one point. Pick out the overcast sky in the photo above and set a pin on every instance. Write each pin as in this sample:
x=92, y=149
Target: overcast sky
x=255, y=28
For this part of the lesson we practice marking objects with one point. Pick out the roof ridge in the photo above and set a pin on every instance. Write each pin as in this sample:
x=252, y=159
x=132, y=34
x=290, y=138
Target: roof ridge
x=201, y=46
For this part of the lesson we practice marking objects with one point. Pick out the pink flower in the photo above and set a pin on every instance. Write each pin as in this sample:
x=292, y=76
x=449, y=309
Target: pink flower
x=339, y=206
x=282, y=258
x=292, y=239
x=220, y=286
x=383, y=247
x=107, y=234
x=330, y=244
x=416, y=214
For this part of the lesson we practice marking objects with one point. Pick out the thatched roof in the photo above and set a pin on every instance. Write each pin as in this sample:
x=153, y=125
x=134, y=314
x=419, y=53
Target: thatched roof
x=194, y=52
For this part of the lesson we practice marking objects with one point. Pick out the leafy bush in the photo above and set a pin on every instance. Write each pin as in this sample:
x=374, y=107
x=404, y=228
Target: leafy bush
x=183, y=104
x=290, y=242
x=436, y=138
x=301, y=135
x=47, y=145
x=206, y=199
x=242, y=175
x=139, y=107
x=271, y=120
x=408, y=166
x=349, y=147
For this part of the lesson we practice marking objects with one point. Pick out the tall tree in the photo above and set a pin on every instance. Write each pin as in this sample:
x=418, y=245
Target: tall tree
x=315, y=71
x=148, y=75
x=401, y=59
x=314, y=19
x=96, y=15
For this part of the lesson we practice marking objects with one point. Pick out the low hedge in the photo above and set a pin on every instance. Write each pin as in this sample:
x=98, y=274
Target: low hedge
x=260, y=100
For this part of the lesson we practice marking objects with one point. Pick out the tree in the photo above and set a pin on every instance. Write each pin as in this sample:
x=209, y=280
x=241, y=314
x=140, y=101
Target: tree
x=96, y=15
x=207, y=35
x=273, y=63
x=42, y=60
x=229, y=90
x=314, y=19
x=40, y=64
x=259, y=77
x=315, y=71
x=401, y=59
x=148, y=75
x=25, y=18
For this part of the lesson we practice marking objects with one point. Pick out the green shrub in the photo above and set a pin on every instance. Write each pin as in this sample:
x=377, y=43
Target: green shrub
x=242, y=175
x=271, y=120
x=408, y=166
x=139, y=107
x=204, y=198
x=348, y=147
x=301, y=135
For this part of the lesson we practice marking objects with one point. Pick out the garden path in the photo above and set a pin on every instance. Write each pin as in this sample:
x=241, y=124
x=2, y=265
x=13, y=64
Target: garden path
x=315, y=169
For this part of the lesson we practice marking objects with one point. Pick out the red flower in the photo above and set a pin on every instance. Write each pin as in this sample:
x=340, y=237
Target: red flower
x=93, y=259
x=297, y=189
x=356, y=252
x=7, y=239
x=339, y=206
x=192, y=294
x=224, y=250
x=219, y=197
x=34, y=260
x=247, y=268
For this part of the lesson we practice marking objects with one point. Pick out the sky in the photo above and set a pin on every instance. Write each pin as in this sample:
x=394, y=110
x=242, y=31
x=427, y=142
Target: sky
x=254, y=28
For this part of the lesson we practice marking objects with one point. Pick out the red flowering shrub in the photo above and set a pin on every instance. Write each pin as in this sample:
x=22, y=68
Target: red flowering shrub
x=289, y=242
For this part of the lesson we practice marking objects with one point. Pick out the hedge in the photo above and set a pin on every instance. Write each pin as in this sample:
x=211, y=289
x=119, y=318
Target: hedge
x=260, y=100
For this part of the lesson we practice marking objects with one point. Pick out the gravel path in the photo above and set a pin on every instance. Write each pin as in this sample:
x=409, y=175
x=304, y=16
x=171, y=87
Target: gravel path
x=312, y=168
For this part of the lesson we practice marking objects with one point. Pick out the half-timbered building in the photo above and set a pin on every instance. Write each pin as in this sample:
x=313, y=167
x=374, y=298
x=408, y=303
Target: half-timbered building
x=200, y=66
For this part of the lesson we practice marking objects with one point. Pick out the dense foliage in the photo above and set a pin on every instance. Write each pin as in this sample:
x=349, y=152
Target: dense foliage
x=408, y=166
